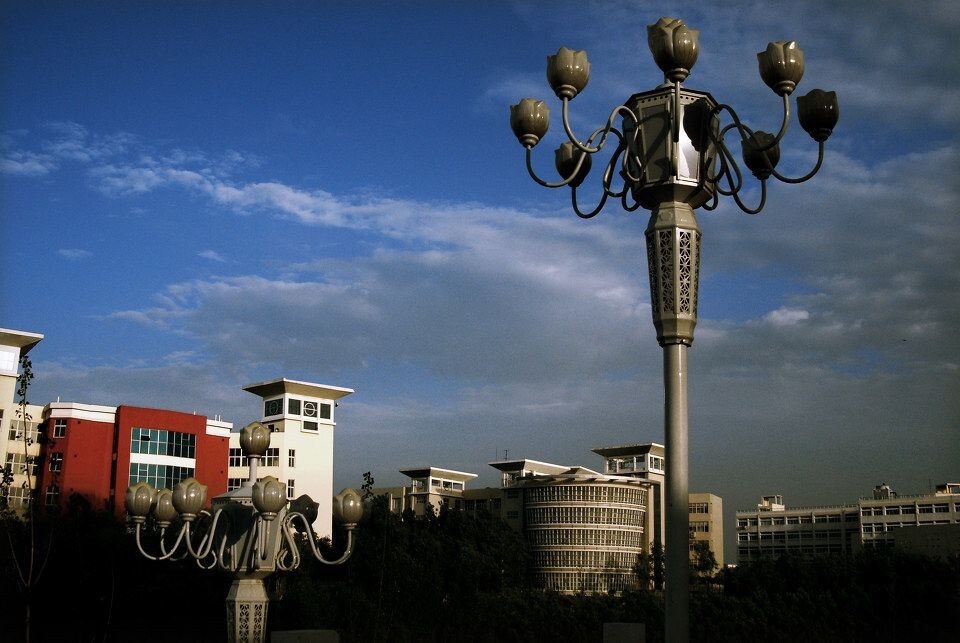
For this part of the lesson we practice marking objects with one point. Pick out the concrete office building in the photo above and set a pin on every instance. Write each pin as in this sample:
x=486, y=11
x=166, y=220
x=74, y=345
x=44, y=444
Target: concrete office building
x=706, y=524
x=585, y=529
x=19, y=444
x=302, y=417
x=774, y=529
x=97, y=451
x=647, y=462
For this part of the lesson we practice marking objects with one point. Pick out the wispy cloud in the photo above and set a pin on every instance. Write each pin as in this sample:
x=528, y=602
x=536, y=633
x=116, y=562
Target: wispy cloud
x=212, y=255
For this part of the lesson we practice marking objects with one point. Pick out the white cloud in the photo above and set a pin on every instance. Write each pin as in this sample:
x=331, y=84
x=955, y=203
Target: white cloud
x=26, y=163
x=786, y=316
x=212, y=255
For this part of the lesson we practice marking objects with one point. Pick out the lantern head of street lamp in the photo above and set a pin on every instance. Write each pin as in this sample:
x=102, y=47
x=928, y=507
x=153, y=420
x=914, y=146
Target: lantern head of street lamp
x=189, y=496
x=529, y=119
x=568, y=72
x=347, y=508
x=255, y=439
x=139, y=501
x=305, y=505
x=674, y=46
x=269, y=497
x=761, y=153
x=818, y=113
x=572, y=162
x=781, y=66
x=164, y=511
x=668, y=142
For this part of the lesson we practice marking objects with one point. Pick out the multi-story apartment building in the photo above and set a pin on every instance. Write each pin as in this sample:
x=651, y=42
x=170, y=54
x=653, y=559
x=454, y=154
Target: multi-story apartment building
x=302, y=417
x=97, y=451
x=773, y=529
x=648, y=462
x=19, y=427
x=706, y=524
x=585, y=529
x=430, y=489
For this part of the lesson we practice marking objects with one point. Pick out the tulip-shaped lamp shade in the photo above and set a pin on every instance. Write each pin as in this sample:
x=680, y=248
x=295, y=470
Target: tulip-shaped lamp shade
x=568, y=72
x=189, y=496
x=674, y=46
x=254, y=439
x=347, y=507
x=781, y=66
x=305, y=505
x=567, y=157
x=529, y=119
x=139, y=500
x=757, y=156
x=164, y=511
x=269, y=497
x=818, y=112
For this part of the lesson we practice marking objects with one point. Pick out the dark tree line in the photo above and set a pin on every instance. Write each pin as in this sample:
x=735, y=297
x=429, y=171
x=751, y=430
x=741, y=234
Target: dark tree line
x=455, y=577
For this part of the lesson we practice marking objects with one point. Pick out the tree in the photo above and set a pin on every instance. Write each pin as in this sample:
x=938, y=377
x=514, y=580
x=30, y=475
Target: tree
x=702, y=561
x=659, y=562
x=366, y=489
x=643, y=570
x=31, y=568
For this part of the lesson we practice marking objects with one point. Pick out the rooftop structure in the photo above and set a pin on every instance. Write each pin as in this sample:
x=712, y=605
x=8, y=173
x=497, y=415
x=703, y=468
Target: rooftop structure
x=874, y=521
x=302, y=417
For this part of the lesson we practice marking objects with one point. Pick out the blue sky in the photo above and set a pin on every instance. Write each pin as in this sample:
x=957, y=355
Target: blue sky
x=200, y=195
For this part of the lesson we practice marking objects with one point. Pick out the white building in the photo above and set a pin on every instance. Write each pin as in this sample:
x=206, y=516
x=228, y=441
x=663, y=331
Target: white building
x=301, y=416
x=19, y=446
x=876, y=521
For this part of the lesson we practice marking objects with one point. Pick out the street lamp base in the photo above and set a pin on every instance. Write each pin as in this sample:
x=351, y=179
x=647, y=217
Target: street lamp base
x=247, y=604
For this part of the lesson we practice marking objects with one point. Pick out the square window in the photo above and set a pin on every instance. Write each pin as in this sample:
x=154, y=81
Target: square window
x=325, y=411
x=293, y=406
x=310, y=409
x=60, y=427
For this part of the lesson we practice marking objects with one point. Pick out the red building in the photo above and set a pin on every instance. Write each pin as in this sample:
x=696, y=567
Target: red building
x=97, y=451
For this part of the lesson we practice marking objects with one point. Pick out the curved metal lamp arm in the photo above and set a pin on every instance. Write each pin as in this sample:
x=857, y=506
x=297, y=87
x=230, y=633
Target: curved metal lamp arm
x=808, y=175
x=624, y=205
x=605, y=130
x=727, y=161
x=176, y=545
x=763, y=199
x=746, y=133
x=206, y=543
x=140, y=546
x=592, y=213
x=311, y=538
x=545, y=184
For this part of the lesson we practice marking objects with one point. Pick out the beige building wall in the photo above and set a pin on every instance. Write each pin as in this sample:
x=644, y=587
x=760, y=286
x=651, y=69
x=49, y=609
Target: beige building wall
x=301, y=416
x=22, y=458
x=706, y=523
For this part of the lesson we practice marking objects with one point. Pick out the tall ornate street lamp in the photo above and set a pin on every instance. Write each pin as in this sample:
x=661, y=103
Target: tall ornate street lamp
x=252, y=532
x=670, y=156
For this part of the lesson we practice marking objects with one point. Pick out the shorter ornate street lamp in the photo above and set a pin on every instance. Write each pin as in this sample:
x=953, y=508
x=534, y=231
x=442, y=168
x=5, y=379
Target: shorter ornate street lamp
x=251, y=532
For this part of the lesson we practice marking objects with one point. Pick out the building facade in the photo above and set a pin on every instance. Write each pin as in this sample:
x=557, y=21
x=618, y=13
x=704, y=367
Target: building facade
x=585, y=529
x=774, y=529
x=19, y=427
x=97, y=451
x=301, y=416
x=648, y=462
